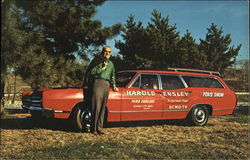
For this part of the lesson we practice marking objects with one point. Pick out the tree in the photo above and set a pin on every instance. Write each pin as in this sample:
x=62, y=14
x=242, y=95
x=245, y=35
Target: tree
x=50, y=38
x=188, y=53
x=150, y=47
x=163, y=41
x=12, y=39
x=68, y=32
x=135, y=45
x=217, y=49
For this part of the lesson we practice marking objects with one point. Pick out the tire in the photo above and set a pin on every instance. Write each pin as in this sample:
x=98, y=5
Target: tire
x=198, y=116
x=81, y=119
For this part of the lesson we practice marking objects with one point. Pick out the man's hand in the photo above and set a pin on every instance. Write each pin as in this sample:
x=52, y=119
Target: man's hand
x=115, y=89
x=104, y=65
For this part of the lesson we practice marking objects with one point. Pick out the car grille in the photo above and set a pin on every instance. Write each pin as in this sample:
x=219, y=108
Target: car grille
x=34, y=99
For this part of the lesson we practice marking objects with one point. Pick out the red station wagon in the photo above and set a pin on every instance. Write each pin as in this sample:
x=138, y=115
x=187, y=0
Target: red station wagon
x=143, y=95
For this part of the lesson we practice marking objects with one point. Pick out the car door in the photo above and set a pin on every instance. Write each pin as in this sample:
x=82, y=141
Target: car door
x=175, y=97
x=142, y=100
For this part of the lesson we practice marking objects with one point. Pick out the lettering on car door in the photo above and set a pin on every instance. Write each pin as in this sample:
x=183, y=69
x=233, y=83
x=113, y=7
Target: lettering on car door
x=143, y=100
x=175, y=96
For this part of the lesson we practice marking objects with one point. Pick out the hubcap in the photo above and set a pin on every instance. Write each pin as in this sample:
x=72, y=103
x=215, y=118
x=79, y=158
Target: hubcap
x=86, y=117
x=200, y=115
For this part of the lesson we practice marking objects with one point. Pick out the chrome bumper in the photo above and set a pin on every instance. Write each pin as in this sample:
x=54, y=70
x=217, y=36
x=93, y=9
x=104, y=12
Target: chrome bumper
x=33, y=108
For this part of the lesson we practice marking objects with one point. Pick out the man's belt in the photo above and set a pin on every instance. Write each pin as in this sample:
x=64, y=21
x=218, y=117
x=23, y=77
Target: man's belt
x=103, y=79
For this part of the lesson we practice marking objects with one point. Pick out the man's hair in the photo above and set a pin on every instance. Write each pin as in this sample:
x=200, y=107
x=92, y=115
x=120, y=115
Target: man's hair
x=104, y=48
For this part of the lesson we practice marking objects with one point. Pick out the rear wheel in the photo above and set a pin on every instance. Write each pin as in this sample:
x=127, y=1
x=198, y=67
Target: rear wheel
x=198, y=116
x=81, y=119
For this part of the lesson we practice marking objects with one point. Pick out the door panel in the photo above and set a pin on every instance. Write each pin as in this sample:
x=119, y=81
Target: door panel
x=175, y=97
x=144, y=101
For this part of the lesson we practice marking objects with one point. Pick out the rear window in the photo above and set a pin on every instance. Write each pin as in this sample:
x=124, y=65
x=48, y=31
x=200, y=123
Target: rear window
x=123, y=78
x=203, y=82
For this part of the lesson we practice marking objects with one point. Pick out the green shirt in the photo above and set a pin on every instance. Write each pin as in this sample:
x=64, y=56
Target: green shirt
x=95, y=71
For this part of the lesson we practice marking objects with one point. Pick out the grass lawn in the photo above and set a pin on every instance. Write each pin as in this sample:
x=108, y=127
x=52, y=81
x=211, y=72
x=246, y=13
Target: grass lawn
x=225, y=137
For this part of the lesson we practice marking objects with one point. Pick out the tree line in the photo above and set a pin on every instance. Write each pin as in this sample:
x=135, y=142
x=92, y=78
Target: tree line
x=159, y=46
x=50, y=43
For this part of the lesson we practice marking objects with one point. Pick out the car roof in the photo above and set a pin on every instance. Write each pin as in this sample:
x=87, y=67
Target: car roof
x=175, y=72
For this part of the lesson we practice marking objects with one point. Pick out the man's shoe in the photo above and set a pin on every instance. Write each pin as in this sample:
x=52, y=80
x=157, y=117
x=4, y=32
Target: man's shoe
x=94, y=132
x=100, y=132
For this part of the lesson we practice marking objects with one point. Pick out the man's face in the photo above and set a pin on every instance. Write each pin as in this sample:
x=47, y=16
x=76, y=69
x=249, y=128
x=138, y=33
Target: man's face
x=107, y=53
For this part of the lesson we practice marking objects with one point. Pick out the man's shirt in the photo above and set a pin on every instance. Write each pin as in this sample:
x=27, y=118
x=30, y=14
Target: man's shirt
x=95, y=70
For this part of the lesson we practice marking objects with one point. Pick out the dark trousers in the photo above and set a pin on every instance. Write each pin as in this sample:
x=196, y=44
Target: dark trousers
x=99, y=100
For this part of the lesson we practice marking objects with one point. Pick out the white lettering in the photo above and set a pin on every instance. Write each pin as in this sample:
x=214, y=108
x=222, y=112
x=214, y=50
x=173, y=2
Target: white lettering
x=133, y=93
x=175, y=94
x=140, y=93
x=147, y=101
x=207, y=94
x=135, y=101
x=144, y=93
x=152, y=93
x=177, y=107
x=128, y=93
x=218, y=95
x=211, y=94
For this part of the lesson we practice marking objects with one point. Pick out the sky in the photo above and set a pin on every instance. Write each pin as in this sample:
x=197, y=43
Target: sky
x=194, y=16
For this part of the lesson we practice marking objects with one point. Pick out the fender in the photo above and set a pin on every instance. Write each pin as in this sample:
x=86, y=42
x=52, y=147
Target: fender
x=208, y=106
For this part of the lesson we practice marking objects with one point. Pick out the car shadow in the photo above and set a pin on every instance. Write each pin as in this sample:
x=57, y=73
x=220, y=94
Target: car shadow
x=30, y=123
x=13, y=121
x=145, y=123
x=242, y=110
x=65, y=124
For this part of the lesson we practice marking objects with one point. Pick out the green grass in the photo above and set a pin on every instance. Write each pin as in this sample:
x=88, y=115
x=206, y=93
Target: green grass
x=225, y=137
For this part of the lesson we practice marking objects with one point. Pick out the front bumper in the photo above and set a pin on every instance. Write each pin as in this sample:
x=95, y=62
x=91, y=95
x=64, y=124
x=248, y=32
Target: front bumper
x=47, y=112
x=32, y=108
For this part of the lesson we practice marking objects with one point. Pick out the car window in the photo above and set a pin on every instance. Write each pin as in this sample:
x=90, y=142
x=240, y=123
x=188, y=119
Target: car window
x=171, y=82
x=123, y=78
x=146, y=81
x=137, y=83
x=204, y=82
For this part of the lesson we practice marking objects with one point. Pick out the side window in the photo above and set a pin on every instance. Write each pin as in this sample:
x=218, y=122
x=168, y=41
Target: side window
x=136, y=84
x=123, y=78
x=171, y=82
x=146, y=81
x=204, y=82
x=149, y=81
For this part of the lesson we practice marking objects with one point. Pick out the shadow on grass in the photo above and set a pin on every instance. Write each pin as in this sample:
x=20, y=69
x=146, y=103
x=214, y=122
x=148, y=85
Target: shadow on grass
x=21, y=119
x=29, y=123
x=65, y=125
x=242, y=110
x=14, y=122
x=145, y=123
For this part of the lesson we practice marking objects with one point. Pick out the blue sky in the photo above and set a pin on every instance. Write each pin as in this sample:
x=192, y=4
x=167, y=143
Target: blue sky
x=196, y=16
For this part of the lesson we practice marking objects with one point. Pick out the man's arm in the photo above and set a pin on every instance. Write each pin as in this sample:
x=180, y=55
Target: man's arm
x=113, y=79
x=92, y=64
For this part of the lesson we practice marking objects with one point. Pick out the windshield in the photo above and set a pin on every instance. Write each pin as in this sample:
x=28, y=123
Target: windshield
x=123, y=78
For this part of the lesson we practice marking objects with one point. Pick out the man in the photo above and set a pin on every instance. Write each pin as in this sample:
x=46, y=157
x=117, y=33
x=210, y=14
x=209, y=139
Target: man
x=99, y=75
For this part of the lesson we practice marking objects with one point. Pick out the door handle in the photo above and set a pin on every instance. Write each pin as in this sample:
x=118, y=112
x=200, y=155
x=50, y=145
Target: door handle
x=158, y=92
x=189, y=91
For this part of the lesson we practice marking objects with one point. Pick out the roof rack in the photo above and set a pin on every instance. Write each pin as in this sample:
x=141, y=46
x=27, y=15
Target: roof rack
x=194, y=70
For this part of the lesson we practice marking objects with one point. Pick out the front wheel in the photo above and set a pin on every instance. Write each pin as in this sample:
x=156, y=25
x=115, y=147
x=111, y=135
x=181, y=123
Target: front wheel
x=198, y=116
x=81, y=119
